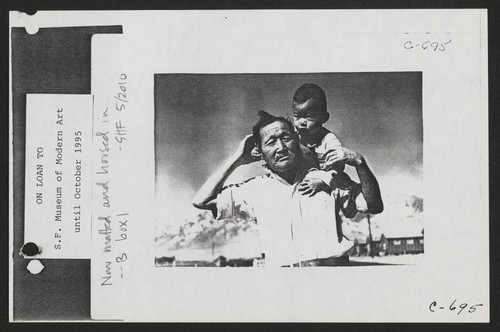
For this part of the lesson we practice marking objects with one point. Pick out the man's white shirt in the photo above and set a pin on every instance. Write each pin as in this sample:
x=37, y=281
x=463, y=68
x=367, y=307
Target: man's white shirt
x=292, y=227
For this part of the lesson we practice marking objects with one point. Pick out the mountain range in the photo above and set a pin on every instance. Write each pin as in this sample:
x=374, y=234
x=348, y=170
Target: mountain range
x=238, y=236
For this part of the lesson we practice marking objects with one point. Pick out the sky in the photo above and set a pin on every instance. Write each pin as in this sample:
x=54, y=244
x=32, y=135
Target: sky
x=201, y=118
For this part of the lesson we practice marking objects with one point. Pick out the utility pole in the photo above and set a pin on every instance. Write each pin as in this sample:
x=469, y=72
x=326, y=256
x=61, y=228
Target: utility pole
x=370, y=238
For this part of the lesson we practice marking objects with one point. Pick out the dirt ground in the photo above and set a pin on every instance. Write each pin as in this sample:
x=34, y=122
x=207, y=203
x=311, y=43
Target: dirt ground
x=387, y=260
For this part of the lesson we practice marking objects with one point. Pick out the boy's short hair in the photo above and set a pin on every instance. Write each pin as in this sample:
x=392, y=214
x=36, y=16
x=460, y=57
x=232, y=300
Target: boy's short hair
x=265, y=119
x=310, y=91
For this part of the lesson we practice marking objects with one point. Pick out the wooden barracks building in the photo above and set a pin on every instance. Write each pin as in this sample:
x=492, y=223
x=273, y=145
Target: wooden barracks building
x=390, y=243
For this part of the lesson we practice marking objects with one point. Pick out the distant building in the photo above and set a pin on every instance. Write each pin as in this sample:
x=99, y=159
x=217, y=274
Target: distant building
x=260, y=261
x=402, y=243
x=220, y=261
x=390, y=243
x=363, y=248
x=197, y=263
x=165, y=261
x=240, y=262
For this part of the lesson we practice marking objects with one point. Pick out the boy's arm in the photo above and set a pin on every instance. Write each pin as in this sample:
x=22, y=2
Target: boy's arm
x=311, y=187
x=331, y=142
x=322, y=180
x=206, y=196
x=316, y=182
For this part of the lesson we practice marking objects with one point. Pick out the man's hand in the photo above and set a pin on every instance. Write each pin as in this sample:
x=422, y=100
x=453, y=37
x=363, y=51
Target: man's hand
x=206, y=196
x=369, y=185
x=341, y=153
x=311, y=187
x=244, y=153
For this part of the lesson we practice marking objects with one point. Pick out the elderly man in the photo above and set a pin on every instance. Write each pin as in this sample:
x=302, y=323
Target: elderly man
x=297, y=226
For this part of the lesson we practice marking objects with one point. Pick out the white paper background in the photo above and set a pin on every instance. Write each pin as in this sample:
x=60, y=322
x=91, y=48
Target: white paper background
x=455, y=158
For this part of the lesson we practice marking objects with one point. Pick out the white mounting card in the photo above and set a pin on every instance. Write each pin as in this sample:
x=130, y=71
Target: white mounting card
x=135, y=177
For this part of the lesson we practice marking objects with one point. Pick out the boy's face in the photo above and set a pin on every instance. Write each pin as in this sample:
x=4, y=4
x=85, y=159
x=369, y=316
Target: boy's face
x=308, y=117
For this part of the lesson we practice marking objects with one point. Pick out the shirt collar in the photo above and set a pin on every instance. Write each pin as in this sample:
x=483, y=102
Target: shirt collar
x=301, y=173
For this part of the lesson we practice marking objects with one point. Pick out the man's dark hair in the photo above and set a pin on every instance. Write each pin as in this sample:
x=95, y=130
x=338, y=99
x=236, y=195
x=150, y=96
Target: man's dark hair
x=310, y=91
x=265, y=119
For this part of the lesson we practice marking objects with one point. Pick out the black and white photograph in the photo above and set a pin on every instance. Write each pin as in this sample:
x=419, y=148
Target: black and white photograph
x=336, y=178
x=249, y=166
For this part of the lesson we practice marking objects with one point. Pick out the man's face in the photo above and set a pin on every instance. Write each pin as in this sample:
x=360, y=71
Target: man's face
x=279, y=146
x=308, y=117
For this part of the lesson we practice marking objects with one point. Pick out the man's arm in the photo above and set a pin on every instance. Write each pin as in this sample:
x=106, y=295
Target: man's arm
x=369, y=184
x=206, y=196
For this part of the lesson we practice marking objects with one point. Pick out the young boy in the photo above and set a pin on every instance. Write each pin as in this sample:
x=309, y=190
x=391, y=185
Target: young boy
x=309, y=114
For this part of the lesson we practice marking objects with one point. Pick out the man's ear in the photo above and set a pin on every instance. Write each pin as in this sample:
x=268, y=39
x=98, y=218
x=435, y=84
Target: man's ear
x=326, y=116
x=256, y=154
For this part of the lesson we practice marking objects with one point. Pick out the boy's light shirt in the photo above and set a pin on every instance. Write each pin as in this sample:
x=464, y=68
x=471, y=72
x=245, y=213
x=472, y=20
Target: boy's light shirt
x=329, y=142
